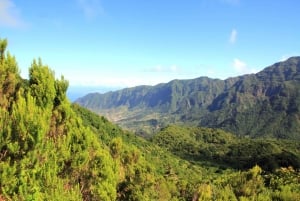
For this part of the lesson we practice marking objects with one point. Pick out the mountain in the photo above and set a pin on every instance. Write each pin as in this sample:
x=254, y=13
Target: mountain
x=266, y=104
x=51, y=149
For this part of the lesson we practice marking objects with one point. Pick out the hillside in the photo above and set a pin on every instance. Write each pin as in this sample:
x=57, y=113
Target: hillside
x=225, y=149
x=265, y=104
x=53, y=150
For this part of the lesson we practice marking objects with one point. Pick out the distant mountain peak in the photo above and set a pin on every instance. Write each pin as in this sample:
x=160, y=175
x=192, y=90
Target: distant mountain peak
x=263, y=104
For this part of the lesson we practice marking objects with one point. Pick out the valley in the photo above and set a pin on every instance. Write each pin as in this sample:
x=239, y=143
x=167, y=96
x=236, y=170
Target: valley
x=265, y=104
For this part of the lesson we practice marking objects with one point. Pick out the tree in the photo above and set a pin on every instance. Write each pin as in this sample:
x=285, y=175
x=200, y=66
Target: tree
x=9, y=76
x=3, y=45
x=116, y=147
x=61, y=87
x=42, y=84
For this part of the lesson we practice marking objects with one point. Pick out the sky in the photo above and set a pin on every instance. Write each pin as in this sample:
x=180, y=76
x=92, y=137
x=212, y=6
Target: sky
x=125, y=43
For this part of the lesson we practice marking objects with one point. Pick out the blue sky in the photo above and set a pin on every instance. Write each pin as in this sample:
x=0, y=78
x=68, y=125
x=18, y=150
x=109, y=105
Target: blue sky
x=124, y=43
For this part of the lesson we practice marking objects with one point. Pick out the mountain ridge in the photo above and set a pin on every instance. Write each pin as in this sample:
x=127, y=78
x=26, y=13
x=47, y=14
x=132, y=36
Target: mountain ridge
x=263, y=104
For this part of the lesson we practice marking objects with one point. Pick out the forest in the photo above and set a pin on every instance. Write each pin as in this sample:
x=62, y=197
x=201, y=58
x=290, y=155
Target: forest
x=51, y=149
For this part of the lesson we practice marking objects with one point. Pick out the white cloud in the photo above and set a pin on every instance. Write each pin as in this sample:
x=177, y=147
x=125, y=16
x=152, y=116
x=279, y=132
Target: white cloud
x=163, y=69
x=9, y=14
x=242, y=68
x=239, y=65
x=233, y=36
x=90, y=8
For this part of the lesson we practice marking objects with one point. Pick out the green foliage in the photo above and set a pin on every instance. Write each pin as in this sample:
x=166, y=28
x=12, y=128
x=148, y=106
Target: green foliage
x=221, y=148
x=3, y=45
x=61, y=87
x=170, y=178
x=45, y=151
x=42, y=83
x=204, y=192
x=116, y=147
x=9, y=76
x=146, y=172
x=27, y=129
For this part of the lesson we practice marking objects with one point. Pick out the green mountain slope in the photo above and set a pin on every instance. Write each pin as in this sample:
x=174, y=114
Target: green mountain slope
x=262, y=104
x=219, y=147
x=203, y=177
x=52, y=150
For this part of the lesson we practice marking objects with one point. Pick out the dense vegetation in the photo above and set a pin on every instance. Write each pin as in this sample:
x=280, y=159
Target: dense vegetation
x=263, y=104
x=200, y=177
x=53, y=150
x=45, y=151
x=225, y=149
